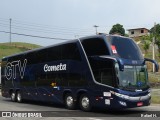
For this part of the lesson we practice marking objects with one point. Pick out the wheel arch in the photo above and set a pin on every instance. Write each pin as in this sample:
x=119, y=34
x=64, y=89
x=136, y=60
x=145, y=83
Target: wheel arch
x=79, y=93
x=65, y=93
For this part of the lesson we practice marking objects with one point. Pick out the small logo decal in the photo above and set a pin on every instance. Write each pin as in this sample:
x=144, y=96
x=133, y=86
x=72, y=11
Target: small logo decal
x=114, y=49
x=134, y=62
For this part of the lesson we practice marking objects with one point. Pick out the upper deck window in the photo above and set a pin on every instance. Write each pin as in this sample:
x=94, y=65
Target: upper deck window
x=125, y=48
x=95, y=46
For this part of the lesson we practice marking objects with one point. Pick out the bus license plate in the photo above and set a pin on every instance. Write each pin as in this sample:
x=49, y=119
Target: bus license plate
x=139, y=103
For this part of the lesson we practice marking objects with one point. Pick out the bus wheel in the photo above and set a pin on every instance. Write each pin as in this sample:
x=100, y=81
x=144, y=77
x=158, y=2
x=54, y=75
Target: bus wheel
x=13, y=96
x=69, y=101
x=19, y=96
x=85, y=103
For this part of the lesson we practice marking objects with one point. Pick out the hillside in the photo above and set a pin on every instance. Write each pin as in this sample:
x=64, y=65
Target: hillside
x=7, y=49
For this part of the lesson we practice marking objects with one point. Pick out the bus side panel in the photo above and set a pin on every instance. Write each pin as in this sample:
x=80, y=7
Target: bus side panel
x=6, y=84
x=48, y=86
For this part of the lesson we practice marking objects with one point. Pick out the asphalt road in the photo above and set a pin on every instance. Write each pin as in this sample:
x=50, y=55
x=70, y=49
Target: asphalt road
x=59, y=112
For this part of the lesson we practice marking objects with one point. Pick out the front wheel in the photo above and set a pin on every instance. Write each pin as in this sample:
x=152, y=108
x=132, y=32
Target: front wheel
x=84, y=103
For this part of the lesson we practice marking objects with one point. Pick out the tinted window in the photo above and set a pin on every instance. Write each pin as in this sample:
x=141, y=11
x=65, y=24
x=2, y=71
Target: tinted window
x=70, y=51
x=103, y=71
x=41, y=56
x=95, y=46
x=31, y=58
x=76, y=79
x=54, y=53
x=64, y=52
x=61, y=79
x=125, y=48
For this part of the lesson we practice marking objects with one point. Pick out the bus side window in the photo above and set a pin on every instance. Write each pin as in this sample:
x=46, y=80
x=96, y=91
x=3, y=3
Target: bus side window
x=54, y=53
x=31, y=58
x=41, y=56
x=103, y=72
x=70, y=52
x=67, y=51
x=95, y=46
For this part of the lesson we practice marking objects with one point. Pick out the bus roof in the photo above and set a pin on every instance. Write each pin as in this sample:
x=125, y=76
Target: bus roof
x=101, y=35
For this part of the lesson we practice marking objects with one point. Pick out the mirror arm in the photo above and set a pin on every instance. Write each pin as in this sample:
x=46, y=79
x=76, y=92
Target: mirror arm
x=121, y=64
x=153, y=61
x=118, y=60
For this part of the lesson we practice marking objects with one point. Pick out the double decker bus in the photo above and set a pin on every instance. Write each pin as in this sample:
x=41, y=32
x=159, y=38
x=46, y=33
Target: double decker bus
x=105, y=71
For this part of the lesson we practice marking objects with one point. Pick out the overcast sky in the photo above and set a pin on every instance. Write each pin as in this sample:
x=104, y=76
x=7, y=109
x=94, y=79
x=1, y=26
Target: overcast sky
x=68, y=19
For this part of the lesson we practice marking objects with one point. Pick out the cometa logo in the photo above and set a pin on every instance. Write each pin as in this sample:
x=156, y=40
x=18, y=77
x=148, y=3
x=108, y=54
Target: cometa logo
x=59, y=67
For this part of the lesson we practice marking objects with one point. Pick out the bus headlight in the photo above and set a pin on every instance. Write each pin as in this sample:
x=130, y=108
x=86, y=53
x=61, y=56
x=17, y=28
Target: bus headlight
x=120, y=95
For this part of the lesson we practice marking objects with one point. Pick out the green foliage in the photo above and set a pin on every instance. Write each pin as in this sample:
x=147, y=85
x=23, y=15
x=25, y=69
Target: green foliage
x=155, y=31
x=7, y=49
x=146, y=40
x=126, y=35
x=117, y=29
x=155, y=98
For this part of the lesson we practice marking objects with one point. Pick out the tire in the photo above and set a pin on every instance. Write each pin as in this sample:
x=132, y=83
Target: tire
x=19, y=97
x=84, y=103
x=13, y=96
x=69, y=101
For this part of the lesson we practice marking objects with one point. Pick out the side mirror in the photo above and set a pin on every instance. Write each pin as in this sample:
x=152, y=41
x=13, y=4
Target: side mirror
x=153, y=61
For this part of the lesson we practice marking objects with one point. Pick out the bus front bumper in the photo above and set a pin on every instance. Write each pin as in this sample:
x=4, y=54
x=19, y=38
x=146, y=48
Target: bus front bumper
x=122, y=102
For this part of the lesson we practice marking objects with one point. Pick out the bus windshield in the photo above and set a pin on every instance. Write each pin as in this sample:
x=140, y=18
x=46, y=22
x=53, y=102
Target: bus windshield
x=125, y=48
x=133, y=78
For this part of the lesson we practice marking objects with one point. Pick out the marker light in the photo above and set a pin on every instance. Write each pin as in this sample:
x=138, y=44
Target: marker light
x=123, y=103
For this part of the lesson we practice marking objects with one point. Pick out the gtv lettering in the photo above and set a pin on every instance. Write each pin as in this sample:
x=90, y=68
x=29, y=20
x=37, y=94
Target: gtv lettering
x=11, y=69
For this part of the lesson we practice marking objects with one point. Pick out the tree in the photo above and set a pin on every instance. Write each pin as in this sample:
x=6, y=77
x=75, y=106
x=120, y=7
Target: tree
x=155, y=31
x=117, y=29
x=146, y=41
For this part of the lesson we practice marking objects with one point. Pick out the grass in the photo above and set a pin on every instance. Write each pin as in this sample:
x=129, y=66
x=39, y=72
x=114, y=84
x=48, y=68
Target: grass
x=155, y=94
x=153, y=79
x=27, y=45
x=155, y=97
x=7, y=49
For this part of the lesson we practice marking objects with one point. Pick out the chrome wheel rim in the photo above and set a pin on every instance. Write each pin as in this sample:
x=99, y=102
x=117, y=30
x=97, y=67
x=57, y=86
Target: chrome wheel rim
x=69, y=100
x=18, y=97
x=85, y=102
x=13, y=96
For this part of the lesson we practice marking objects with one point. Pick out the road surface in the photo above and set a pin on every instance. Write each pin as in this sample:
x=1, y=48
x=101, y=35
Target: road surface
x=59, y=112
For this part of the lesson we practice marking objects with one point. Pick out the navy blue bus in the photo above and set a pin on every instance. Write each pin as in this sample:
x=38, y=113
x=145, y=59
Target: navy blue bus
x=104, y=71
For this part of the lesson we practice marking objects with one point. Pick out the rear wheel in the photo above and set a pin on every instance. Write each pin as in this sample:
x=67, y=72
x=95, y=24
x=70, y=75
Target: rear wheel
x=84, y=103
x=69, y=101
x=19, y=97
x=13, y=96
